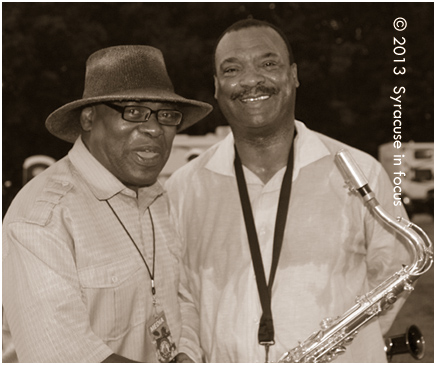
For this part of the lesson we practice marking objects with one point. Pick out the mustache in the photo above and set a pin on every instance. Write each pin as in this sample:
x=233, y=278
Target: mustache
x=251, y=91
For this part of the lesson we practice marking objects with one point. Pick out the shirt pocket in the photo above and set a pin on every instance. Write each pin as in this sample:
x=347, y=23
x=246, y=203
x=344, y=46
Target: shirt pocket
x=115, y=297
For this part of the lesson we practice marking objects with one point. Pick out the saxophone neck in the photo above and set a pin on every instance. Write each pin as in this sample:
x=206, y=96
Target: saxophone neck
x=418, y=240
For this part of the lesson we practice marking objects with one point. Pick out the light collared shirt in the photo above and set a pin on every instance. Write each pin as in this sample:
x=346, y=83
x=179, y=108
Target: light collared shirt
x=333, y=250
x=75, y=288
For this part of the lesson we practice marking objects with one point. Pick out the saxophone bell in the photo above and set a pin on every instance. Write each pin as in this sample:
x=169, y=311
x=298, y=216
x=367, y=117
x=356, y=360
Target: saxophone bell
x=411, y=342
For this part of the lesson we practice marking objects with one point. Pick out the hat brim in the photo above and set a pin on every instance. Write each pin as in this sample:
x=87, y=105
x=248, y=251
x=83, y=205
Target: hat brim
x=64, y=122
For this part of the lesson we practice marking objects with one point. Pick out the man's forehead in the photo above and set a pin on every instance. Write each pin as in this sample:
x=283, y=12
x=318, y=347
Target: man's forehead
x=250, y=39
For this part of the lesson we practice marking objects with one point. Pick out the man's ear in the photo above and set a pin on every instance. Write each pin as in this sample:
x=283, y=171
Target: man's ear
x=215, y=82
x=294, y=74
x=86, y=118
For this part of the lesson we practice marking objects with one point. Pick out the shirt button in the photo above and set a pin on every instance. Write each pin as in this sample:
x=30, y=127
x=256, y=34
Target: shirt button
x=114, y=279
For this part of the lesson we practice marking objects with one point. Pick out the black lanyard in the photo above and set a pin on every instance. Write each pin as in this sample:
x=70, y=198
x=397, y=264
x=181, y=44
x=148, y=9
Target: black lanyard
x=266, y=326
x=150, y=273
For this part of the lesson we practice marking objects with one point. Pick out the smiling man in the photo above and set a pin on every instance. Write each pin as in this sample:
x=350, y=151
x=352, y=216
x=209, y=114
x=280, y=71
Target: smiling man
x=255, y=86
x=274, y=242
x=90, y=261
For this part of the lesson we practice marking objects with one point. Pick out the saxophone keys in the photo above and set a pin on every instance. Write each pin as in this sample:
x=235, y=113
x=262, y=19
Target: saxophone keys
x=408, y=287
x=339, y=350
x=326, y=323
x=391, y=298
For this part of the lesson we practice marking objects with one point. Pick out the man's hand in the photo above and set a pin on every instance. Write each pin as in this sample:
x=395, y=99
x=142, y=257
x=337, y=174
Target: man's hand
x=182, y=357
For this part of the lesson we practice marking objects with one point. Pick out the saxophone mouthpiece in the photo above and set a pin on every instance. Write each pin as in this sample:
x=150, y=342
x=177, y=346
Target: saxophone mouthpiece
x=352, y=174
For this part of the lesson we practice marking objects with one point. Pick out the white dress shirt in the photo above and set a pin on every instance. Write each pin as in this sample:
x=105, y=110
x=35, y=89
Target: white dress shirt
x=333, y=250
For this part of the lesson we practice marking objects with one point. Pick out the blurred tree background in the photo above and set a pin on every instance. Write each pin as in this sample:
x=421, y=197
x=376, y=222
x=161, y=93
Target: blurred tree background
x=344, y=53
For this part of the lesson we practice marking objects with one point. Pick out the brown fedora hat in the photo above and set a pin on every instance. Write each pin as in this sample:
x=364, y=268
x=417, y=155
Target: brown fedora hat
x=124, y=73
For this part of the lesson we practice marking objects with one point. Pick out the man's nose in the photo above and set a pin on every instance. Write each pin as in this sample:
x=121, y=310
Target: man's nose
x=151, y=127
x=251, y=77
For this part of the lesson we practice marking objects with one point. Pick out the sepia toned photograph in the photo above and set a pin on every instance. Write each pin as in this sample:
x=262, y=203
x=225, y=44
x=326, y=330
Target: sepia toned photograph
x=218, y=182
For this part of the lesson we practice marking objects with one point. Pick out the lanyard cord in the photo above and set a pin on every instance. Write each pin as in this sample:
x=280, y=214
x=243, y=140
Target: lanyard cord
x=151, y=273
x=266, y=326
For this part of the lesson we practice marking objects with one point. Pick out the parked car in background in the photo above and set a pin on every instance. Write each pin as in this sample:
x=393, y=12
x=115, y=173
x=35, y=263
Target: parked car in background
x=186, y=147
x=34, y=165
x=413, y=164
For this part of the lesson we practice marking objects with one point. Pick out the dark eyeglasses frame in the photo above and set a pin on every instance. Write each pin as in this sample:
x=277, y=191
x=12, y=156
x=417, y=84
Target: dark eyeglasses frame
x=121, y=109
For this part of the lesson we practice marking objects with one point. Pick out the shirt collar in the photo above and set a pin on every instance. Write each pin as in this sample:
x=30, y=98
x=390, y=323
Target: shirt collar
x=103, y=184
x=309, y=148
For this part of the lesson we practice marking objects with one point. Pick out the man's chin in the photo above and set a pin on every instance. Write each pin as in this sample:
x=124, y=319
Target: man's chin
x=142, y=182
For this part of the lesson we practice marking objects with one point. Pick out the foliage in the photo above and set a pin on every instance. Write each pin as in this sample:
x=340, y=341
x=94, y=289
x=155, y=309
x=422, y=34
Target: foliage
x=344, y=53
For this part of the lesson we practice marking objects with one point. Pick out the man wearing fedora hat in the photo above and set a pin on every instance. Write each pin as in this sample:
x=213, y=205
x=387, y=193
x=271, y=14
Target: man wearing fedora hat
x=90, y=261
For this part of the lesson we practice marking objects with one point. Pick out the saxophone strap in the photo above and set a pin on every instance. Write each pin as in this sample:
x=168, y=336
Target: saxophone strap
x=266, y=326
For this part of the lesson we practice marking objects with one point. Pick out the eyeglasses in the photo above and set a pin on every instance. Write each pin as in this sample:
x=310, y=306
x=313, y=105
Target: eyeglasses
x=140, y=114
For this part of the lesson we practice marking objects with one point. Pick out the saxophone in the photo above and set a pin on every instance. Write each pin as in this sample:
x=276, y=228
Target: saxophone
x=336, y=333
